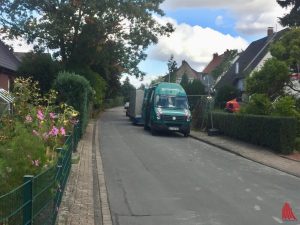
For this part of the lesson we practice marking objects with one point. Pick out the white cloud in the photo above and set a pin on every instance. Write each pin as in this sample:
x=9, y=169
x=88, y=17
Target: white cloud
x=219, y=21
x=194, y=44
x=252, y=16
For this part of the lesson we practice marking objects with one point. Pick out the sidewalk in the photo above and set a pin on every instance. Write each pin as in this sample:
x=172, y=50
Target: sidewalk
x=85, y=197
x=252, y=152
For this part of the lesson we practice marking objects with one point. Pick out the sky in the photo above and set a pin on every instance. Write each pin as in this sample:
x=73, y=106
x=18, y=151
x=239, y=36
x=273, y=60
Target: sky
x=202, y=28
x=205, y=27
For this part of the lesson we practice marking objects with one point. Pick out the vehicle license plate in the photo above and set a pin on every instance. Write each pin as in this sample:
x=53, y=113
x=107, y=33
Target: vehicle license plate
x=173, y=128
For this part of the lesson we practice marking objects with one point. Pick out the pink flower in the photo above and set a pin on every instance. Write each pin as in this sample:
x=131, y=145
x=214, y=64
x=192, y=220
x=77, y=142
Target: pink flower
x=52, y=115
x=34, y=132
x=62, y=131
x=54, y=131
x=28, y=119
x=40, y=115
x=35, y=162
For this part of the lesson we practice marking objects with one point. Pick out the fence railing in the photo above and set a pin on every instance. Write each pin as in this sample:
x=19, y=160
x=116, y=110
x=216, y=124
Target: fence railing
x=37, y=200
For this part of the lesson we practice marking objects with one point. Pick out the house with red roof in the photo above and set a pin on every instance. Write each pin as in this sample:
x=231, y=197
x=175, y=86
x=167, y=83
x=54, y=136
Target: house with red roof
x=214, y=63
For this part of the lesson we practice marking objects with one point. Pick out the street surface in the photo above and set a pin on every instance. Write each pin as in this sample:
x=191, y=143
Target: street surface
x=172, y=180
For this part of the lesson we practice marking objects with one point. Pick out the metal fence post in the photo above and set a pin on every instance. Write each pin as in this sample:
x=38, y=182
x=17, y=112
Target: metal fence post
x=27, y=213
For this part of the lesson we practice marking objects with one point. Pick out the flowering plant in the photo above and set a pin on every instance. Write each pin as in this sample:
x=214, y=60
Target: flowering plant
x=29, y=137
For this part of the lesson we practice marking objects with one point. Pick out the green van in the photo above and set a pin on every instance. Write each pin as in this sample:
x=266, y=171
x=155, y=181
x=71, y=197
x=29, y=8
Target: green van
x=165, y=107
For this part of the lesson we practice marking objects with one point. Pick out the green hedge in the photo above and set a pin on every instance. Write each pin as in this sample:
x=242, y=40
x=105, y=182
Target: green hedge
x=76, y=91
x=277, y=133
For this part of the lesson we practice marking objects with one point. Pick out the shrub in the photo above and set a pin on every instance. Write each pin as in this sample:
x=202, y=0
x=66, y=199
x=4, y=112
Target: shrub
x=285, y=106
x=259, y=104
x=225, y=94
x=277, y=133
x=29, y=137
x=76, y=91
x=97, y=83
x=23, y=154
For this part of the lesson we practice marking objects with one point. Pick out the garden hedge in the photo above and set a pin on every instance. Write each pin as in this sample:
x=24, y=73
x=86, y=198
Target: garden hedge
x=277, y=133
x=75, y=90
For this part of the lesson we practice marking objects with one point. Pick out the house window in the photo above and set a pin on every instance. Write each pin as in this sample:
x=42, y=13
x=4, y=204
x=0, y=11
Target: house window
x=240, y=84
x=237, y=68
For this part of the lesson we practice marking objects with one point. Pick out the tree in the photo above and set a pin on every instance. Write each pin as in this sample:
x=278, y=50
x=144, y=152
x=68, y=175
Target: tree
x=126, y=88
x=193, y=90
x=287, y=50
x=41, y=67
x=293, y=18
x=172, y=68
x=184, y=82
x=79, y=30
x=270, y=80
x=226, y=93
x=97, y=83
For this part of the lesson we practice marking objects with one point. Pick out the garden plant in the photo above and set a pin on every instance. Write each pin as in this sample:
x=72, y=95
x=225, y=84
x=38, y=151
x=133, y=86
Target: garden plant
x=30, y=136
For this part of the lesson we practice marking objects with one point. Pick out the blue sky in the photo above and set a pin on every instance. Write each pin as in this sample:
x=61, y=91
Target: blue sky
x=204, y=27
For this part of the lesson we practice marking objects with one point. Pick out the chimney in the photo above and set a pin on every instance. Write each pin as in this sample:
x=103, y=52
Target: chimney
x=270, y=31
x=215, y=55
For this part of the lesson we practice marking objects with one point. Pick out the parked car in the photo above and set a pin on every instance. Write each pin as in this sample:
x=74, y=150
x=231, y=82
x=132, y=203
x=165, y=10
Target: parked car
x=126, y=105
x=233, y=105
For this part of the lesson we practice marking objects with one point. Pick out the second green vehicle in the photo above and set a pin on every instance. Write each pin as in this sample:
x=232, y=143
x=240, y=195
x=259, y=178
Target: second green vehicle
x=166, y=107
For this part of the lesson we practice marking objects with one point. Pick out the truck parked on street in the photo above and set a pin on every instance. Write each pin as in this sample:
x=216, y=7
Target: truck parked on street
x=166, y=107
x=135, y=106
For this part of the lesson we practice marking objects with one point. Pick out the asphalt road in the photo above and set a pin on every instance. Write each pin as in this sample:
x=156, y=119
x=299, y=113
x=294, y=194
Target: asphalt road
x=172, y=180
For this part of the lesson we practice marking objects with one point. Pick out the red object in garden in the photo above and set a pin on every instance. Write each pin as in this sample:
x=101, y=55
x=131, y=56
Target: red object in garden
x=287, y=213
x=232, y=106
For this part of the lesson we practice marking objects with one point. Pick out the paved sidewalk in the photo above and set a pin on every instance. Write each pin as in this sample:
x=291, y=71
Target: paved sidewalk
x=85, y=200
x=77, y=203
x=252, y=152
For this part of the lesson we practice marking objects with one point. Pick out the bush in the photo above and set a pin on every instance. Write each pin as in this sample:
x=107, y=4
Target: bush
x=225, y=94
x=277, y=133
x=29, y=137
x=23, y=154
x=259, y=104
x=98, y=84
x=76, y=91
x=285, y=106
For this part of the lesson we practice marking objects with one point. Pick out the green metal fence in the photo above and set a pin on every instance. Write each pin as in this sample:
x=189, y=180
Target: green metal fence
x=37, y=200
